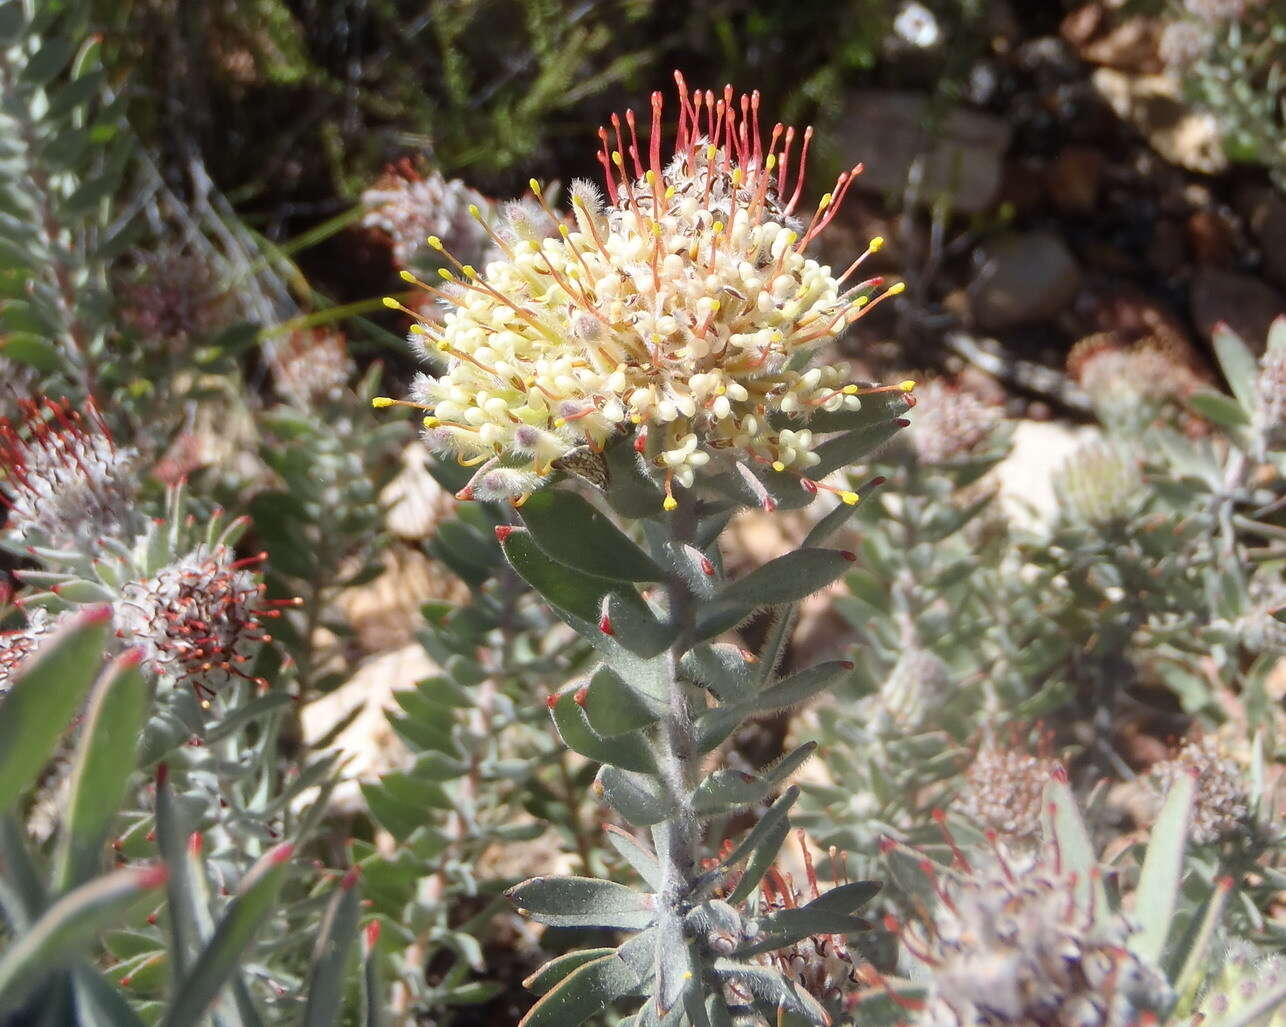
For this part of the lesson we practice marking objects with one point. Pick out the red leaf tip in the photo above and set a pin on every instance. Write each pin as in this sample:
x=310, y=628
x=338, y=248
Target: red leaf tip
x=281, y=853
x=96, y=614
x=152, y=876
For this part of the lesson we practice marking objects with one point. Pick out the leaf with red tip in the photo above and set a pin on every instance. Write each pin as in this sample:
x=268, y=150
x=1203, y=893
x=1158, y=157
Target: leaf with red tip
x=217, y=963
x=787, y=579
x=1064, y=826
x=68, y=927
x=628, y=751
x=802, y=686
x=335, y=939
x=1162, y=874
x=573, y=532
x=44, y=696
x=854, y=447
x=103, y=764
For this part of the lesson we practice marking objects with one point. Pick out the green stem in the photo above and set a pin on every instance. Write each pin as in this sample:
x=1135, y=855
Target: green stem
x=321, y=317
x=680, y=761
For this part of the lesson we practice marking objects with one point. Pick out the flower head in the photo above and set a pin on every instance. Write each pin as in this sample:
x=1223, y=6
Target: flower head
x=17, y=646
x=1004, y=792
x=409, y=207
x=915, y=689
x=172, y=298
x=65, y=481
x=310, y=366
x=1014, y=943
x=199, y=619
x=951, y=423
x=1099, y=484
x=681, y=306
x=1221, y=805
x=1270, y=389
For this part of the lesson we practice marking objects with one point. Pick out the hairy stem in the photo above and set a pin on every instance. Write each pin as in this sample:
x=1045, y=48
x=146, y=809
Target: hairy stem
x=680, y=761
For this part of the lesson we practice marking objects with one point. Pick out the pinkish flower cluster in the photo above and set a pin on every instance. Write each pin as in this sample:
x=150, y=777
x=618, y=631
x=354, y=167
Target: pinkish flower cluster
x=198, y=620
x=16, y=646
x=310, y=366
x=1023, y=943
x=65, y=481
x=408, y=207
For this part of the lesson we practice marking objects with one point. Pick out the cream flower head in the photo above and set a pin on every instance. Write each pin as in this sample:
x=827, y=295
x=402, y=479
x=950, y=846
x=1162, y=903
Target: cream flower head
x=682, y=307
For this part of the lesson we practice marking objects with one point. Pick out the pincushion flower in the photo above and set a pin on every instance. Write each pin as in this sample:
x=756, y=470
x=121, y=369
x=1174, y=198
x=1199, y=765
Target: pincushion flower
x=199, y=620
x=682, y=307
x=64, y=479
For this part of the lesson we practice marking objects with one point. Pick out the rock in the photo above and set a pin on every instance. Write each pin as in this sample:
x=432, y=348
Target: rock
x=1247, y=305
x=1073, y=179
x=1166, y=252
x=1265, y=214
x=1028, y=277
x=962, y=150
x=1082, y=24
x=385, y=612
x=413, y=501
x=1026, y=475
x=1128, y=315
x=1131, y=46
x=1212, y=240
x=369, y=742
x=1153, y=104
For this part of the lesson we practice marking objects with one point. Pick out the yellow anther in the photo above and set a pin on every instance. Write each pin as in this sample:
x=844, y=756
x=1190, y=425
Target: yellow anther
x=669, y=192
x=717, y=227
x=711, y=150
x=778, y=466
x=861, y=301
x=445, y=275
x=907, y=386
x=876, y=244
x=474, y=211
x=635, y=419
x=850, y=498
x=564, y=231
x=669, y=503
x=895, y=288
x=825, y=201
x=560, y=422
x=714, y=306
x=418, y=329
x=577, y=201
x=771, y=162
x=737, y=176
x=721, y=390
x=406, y=276
x=617, y=159
x=792, y=237
x=379, y=402
x=391, y=303
x=435, y=242
x=534, y=185
x=850, y=390
x=650, y=178
x=470, y=271
x=431, y=422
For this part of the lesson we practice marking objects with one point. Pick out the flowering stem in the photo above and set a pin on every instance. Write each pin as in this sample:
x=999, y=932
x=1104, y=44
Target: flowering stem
x=680, y=761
